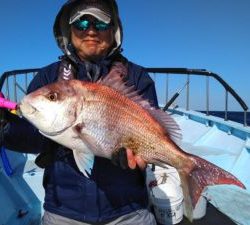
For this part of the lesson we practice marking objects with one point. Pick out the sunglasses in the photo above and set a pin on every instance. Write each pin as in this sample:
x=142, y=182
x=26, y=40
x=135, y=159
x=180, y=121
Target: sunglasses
x=84, y=24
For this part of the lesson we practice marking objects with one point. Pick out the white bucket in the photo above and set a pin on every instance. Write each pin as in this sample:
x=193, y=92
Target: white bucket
x=167, y=200
x=160, y=173
x=158, y=176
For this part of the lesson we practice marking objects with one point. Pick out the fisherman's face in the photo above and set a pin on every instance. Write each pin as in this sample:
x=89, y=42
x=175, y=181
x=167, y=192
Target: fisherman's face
x=92, y=44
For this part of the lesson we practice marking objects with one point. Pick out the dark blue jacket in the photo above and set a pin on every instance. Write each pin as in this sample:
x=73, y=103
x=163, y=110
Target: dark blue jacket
x=111, y=191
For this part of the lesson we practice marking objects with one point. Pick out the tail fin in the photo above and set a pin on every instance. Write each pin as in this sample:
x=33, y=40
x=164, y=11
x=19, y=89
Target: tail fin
x=201, y=175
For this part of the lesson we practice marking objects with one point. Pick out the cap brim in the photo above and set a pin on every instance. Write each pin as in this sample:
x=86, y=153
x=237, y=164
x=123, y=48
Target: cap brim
x=97, y=13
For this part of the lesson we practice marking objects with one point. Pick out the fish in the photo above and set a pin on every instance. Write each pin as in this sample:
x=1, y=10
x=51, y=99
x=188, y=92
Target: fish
x=98, y=119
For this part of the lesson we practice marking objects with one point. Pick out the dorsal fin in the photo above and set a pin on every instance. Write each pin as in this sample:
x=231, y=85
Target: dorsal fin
x=115, y=79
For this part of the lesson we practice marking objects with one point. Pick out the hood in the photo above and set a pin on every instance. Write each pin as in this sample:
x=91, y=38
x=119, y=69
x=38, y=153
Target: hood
x=62, y=27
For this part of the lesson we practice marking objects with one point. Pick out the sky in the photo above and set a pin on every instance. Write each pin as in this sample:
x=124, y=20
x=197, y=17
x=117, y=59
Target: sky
x=201, y=34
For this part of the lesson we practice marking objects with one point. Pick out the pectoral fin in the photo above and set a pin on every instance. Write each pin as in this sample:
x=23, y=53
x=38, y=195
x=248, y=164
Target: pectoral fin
x=84, y=161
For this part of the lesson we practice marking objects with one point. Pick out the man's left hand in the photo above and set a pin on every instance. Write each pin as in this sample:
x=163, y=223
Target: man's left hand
x=125, y=158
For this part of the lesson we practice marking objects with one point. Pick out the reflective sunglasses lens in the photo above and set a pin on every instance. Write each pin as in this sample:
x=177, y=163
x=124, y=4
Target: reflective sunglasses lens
x=85, y=24
x=82, y=24
x=99, y=25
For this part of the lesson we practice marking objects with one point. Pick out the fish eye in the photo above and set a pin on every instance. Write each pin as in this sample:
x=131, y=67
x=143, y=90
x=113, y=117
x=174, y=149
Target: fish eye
x=52, y=96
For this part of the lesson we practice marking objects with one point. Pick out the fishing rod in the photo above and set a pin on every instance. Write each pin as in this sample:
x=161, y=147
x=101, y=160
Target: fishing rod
x=175, y=96
x=11, y=106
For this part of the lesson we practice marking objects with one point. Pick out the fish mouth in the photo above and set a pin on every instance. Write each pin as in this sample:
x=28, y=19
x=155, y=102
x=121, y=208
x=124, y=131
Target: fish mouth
x=25, y=109
x=18, y=111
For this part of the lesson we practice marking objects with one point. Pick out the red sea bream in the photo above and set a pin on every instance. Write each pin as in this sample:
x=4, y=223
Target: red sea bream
x=100, y=118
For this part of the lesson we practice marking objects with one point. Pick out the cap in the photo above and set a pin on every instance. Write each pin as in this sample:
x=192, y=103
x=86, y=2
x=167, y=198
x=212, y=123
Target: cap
x=99, y=12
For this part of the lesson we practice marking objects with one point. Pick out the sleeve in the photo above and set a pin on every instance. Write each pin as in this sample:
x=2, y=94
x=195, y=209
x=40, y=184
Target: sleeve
x=19, y=134
x=144, y=83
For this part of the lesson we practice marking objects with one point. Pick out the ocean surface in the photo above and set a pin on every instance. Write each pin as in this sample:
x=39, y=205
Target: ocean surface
x=234, y=116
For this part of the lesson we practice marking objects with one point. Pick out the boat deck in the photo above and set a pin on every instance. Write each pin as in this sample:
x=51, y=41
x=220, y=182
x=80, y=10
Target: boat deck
x=212, y=217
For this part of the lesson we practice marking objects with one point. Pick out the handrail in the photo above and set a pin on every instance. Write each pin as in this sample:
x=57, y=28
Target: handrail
x=200, y=72
x=15, y=72
x=203, y=72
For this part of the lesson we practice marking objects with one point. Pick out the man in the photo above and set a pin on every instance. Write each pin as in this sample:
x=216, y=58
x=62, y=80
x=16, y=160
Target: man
x=89, y=32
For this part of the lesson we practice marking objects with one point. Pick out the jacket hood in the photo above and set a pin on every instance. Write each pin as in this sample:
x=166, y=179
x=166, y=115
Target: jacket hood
x=62, y=27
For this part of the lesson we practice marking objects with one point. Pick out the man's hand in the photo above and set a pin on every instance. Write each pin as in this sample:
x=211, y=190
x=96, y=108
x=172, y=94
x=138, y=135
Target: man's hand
x=126, y=159
x=3, y=117
x=5, y=107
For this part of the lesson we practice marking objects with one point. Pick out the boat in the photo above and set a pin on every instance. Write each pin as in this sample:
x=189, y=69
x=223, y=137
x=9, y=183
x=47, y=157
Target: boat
x=221, y=141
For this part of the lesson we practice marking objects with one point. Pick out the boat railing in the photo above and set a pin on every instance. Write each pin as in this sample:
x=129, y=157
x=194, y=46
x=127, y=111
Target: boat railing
x=198, y=72
x=14, y=85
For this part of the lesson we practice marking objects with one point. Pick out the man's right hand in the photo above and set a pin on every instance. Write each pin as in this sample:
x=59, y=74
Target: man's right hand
x=5, y=107
x=3, y=117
